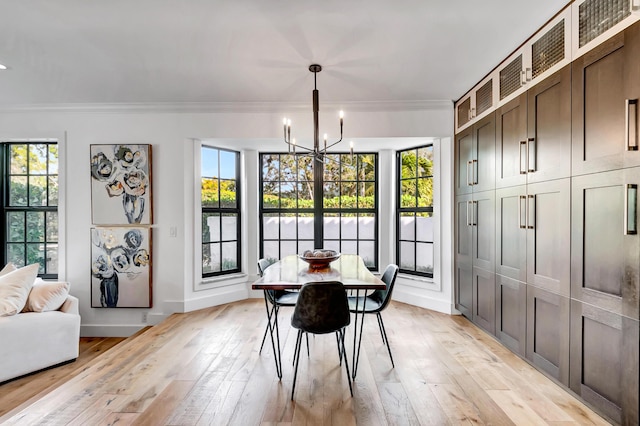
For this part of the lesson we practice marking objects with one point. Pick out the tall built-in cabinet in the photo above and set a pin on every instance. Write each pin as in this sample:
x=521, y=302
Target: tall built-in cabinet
x=547, y=243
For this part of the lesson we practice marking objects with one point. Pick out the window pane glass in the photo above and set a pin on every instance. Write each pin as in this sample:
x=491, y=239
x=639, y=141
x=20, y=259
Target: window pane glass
x=271, y=249
x=18, y=191
x=304, y=245
x=332, y=168
x=409, y=164
x=37, y=191
x=288, y=195
x=349, y=228
x=229, y=256
x=211, y=258
x=271, y=226
x=425, y=192
x=35, y=226
x=407, y=226
x=227, y=165
x=366, y=226
x=348, y=167
x=16, y=254
x=288, y=168
x=331, y=226
x=18, y=159
x=210, y=227
x=53, y=162
x=228, y=193
x=424, y=227
x=305, y=227
x=331, y=195
x=288, y=228
x=270, y=195
x=348, y=195
x=229, y=227
x=35, y=254
x=15, y=226
x=52, y=259
x=209, y=192
x=366, y=167
x=349, y=247
x=38, y=154
x=52, y=227
x=305, y=195
x=305, y=168
x=270, y=167
x=407, y=255
x=288, y=247
x=408, y=193
x=331, y=245
x=366, y=195
x=209, y=162
x=367, y=252
x=424, y=257
x=53, y=191
x=425, y=161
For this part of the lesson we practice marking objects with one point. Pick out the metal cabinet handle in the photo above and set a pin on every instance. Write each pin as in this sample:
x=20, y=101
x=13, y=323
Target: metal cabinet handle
x=523, y=169
x=522, y=221
x=531, y=157
x=468, y=217
x=474, y=210
x=469, y=163
x=474, y=170
x=631, y=125
x=630, y=209
x=531, y=211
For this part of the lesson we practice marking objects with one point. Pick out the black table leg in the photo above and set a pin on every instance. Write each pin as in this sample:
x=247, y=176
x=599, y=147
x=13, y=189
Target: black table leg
x=356, y=349
x=276, y=354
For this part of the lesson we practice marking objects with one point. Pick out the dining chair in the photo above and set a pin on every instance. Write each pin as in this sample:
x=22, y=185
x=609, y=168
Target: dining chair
x=322, y=308
x=375, y=303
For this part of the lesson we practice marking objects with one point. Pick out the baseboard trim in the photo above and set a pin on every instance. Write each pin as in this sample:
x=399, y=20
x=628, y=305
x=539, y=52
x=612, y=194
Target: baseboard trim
x=402, y=294
x=104, y=330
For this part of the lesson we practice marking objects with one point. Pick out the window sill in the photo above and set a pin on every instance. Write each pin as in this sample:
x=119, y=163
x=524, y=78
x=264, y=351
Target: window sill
x=222, y=281
x=418, y=281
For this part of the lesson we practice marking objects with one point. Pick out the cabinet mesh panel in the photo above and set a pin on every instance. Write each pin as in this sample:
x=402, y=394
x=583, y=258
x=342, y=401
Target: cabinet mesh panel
x=510, y=77
x=597, y=16
x=484, y=98
x=463, y=112
x=548, y=50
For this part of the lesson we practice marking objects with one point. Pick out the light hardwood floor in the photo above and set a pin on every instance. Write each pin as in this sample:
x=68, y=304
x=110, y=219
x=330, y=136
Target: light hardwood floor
x=203, y=367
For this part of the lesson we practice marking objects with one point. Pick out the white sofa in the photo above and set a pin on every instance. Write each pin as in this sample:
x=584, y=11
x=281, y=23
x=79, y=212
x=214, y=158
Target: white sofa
x=32, y=341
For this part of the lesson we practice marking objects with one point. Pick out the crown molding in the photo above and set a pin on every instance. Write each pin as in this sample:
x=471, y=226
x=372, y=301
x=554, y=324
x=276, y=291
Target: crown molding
x=231, y=107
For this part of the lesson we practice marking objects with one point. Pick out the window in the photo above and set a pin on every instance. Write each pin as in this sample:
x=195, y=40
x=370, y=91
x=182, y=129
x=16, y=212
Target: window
x=414, y=220
x=303, y=208
x=30, y=205
x=220, y=195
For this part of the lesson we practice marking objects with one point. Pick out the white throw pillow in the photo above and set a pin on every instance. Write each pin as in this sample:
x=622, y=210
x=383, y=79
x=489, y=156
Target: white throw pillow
x=15, y=287
x=9, y=267
x=46, y=296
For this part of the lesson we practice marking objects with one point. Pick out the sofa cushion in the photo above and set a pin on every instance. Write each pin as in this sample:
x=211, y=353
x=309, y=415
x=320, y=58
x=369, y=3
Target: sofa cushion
x=46, y=296
x=9, y=267
x=15, y=287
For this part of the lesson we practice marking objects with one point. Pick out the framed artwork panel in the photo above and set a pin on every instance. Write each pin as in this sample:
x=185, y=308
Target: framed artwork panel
x=121, y=267
x=121, y=184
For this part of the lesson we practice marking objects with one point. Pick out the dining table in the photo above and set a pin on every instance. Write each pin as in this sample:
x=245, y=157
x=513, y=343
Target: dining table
x=292, y=272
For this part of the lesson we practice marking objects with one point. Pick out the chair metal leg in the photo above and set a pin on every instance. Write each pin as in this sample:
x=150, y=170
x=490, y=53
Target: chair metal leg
x=386, y=339
x=379, y=318
x=295, y=373
x=344, y=354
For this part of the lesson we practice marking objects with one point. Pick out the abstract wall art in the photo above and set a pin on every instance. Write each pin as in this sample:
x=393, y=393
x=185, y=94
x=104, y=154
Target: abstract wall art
x=121, y=185
x=121, y=267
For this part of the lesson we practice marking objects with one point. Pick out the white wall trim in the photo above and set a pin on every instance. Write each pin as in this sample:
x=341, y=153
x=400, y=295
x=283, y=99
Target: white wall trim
x=224, y=295
x=418, y=297
x=109, y=330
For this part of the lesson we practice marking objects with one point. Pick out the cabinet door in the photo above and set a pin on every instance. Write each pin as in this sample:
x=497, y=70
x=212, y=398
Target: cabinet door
x=548, y=332
x=605, y=105
x=511, y=143
x=549, y=235
x=605, y=251
x=484, y=299
x=511, y=232
x=604, y=361
x=483, y=164
x=548, y=148
x=483, y=220
x=464, y=255
x=464, y=153
x=511, y=313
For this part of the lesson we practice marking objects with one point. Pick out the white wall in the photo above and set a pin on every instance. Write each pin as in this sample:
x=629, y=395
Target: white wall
x=173, y=134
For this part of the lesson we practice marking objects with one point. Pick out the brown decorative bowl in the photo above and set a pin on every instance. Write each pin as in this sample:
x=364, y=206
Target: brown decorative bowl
x=320, y=262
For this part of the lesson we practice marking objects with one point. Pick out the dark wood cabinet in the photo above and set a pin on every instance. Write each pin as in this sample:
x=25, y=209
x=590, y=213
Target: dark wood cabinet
x=484, y=299
x=548, y=332
x=547, y=153
x=604, y=361
x=511, y=313
x=464, y=255
x=483, y=217
x=511, y=232
x=548, y=222
x=511, y=141
x=475, y=157
x=605, y=243
x=605, y=105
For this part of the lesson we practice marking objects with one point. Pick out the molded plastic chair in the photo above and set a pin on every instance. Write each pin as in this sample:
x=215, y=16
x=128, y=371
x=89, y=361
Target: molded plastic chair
x=376, y=302
x=322, y=308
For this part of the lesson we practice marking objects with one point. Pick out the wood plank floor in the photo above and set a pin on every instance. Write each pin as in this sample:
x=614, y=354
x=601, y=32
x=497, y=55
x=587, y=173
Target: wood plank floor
x=203, y=368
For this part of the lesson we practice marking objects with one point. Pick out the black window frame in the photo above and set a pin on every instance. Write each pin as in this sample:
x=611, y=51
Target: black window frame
x=415, y=210
x=222, y=211
x=318, y=210
x=7, y=209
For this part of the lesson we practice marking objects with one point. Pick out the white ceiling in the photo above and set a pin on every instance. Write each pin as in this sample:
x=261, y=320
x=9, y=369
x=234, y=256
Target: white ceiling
x=255, y=51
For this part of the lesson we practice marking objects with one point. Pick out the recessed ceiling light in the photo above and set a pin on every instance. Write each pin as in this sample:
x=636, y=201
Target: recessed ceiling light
x=2, y=67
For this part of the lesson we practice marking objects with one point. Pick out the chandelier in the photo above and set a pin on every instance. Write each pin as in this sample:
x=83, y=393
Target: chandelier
x=318, y=152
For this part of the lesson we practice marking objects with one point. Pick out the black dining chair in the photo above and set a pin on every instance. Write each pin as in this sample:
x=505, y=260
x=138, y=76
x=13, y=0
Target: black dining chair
x=376, y=302
x=322, y=308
